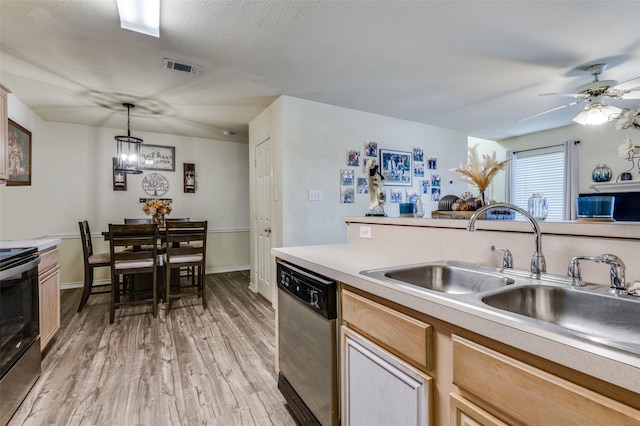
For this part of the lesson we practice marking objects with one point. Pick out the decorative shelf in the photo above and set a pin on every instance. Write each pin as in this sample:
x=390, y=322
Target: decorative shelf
x=624, y=186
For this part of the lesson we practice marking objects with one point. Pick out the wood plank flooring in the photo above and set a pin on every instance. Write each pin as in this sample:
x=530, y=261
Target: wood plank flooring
x=194, y=366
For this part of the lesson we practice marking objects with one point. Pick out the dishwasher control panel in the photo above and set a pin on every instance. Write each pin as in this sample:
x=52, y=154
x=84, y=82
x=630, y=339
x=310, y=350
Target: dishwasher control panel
x=315, y=291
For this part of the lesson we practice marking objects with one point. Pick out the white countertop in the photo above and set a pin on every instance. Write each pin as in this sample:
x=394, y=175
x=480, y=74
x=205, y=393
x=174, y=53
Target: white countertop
x=343, y=262
x=41, y=244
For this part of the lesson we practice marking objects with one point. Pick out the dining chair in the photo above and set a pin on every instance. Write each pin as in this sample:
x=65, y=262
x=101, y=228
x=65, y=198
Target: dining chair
x=91, y=261
x=136, y=221
x=177, y=219
x=187, y=271
x=179, y=255
x=133, y=263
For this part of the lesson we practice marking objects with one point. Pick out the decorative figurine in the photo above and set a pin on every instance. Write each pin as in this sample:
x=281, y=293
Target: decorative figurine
x=376, y=196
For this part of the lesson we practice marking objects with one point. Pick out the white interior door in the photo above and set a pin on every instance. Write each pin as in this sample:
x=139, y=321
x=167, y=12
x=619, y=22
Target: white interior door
x=264, y=194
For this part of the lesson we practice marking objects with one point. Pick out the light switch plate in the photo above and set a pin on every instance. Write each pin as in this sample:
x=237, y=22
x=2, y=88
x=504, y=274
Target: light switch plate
x=315, y=195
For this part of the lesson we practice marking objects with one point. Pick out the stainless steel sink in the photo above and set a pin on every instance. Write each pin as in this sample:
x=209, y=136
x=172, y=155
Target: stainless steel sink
x=596, y=316
x=445, y=277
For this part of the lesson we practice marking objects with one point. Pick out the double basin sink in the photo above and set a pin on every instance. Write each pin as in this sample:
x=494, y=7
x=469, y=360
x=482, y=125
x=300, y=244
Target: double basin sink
x=576, y=311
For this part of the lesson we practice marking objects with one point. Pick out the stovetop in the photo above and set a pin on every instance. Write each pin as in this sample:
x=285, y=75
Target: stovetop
x=10, y=257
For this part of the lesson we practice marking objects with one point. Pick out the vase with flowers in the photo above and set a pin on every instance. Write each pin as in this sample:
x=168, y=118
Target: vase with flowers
x=480, y=173
x=628, y=150
x=157, y=209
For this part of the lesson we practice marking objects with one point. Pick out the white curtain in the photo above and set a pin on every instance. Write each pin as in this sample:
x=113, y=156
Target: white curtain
x=571, y=188
x=510, y=176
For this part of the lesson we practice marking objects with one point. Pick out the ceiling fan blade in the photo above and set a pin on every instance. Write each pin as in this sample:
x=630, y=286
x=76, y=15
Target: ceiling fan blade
x=570, y=95
x=553, y=109
x=629, y=84
x=631, y=95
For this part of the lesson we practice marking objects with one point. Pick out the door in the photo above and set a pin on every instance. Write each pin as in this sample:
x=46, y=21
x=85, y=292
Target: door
x=263, y=193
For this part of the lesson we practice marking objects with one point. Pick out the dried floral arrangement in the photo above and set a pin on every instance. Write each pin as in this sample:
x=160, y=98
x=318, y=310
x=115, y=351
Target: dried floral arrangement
x=157, y=207
x=480, y=173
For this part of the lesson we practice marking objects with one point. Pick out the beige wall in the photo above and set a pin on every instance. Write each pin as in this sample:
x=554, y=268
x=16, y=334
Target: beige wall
x=72, y=181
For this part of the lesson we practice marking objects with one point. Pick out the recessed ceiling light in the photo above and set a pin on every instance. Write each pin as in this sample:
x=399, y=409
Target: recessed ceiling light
x=142, y=16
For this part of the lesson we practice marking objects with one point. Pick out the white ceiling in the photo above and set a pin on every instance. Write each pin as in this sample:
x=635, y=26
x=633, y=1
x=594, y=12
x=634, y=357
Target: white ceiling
x=473, y=66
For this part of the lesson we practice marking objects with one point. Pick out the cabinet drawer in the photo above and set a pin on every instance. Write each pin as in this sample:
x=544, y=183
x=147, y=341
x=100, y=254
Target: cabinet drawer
x=529, y=395
x=48, y=259
x=406, y=337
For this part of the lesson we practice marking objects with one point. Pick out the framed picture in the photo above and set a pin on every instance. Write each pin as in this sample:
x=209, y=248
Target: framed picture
x=157, y=157
x=19, y=155
x=396, y=167
x=371, y=149
x=353, y=157
x=418, y=169
x=346, y=177
x=418, y=154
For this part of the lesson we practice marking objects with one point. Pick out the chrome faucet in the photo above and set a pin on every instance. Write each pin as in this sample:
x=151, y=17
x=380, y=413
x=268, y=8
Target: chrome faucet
x=574, y=269
x=616, y=275
x=538, y=263
x=507, y=258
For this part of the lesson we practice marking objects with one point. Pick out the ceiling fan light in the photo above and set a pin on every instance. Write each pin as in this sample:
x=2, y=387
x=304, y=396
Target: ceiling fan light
x=596, y=113
x=142, y=16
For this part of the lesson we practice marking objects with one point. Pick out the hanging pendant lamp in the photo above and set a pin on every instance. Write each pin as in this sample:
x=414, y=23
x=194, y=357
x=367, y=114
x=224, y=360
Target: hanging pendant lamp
x=128, y=149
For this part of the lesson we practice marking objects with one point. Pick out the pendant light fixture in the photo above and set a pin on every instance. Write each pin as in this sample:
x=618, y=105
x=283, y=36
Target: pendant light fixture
x=128, y=149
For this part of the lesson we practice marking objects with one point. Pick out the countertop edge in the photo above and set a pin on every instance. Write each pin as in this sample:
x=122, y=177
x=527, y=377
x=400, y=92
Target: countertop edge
x=41, y=244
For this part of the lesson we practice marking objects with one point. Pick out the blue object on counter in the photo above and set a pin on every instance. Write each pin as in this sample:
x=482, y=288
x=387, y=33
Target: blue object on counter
x=500, y=214
x=407, y=209
x=596, y=207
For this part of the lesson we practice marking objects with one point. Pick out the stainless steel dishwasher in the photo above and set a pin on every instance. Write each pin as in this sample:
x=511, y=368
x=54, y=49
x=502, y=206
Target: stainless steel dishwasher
x=307, y=340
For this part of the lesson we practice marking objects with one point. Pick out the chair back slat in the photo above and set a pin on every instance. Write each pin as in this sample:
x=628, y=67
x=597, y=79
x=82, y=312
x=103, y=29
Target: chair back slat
x=85, y=236
x=137, y=221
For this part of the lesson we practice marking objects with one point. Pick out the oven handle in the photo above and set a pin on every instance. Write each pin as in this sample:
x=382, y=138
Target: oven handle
x=8, y=273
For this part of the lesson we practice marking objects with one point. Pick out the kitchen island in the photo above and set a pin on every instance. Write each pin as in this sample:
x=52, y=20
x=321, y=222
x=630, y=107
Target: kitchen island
x=594, y=371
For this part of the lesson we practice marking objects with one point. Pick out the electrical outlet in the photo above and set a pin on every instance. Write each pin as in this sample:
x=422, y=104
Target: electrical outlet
x=365, y=232
x=315, y=195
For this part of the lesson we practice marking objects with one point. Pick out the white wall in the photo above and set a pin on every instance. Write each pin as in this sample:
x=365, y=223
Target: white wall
x=598, y=144
x=315, y=140
x=72, y=181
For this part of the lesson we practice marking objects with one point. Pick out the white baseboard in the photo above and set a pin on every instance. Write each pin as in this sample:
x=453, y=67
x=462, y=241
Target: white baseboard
x=68, y=286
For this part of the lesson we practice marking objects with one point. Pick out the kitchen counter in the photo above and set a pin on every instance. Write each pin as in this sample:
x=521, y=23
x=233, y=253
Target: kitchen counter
x=41, y=244
x=343, y=262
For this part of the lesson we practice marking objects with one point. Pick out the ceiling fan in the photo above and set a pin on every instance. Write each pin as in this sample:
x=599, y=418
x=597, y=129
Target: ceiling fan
x=596, y=111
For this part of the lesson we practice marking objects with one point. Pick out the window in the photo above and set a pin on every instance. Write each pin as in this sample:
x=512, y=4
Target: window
x=540, y=171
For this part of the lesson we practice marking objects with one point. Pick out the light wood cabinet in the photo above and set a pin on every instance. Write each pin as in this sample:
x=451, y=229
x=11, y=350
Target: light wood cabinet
x=529, y=395
x=464, y=413
x=4, y=135
x=378, y=388
x=49, y=293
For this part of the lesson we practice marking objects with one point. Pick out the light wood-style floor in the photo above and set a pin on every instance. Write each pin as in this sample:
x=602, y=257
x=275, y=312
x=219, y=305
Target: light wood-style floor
x=191, y=367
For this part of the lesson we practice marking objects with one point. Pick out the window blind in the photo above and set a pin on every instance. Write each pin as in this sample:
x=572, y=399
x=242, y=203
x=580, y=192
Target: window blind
x=541, y=172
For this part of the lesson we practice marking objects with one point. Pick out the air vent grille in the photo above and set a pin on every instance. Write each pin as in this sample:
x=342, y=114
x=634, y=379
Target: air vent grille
x=171, y=64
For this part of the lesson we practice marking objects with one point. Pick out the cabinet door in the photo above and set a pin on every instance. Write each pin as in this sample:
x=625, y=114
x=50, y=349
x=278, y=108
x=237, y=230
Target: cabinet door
x=379, y=388
x=49, y=305
x=464, y=413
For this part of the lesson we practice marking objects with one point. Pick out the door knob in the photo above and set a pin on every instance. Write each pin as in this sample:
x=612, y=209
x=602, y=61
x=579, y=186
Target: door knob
x=267, y=230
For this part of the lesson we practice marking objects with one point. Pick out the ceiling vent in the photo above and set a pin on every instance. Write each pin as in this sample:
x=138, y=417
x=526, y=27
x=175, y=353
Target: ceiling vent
x=170, y=64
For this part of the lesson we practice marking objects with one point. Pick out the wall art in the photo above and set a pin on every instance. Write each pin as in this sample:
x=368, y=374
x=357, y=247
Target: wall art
x=396, y=167
x=157, y=157
x=19, y=155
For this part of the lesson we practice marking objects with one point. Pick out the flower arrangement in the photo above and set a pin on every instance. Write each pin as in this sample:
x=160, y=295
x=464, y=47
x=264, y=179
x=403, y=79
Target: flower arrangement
x=480, y=173
x=629, y=118
x=157, y=209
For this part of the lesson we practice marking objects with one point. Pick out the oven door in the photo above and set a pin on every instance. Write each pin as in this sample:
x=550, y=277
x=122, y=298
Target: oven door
x=19, y=318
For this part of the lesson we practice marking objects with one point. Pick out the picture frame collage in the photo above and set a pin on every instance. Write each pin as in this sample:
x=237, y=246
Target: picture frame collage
x=399, y=168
